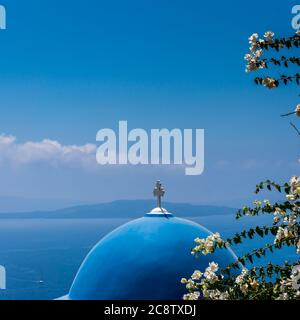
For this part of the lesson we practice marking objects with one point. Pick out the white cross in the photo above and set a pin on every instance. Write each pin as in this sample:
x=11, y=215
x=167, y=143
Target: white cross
x=158, y=192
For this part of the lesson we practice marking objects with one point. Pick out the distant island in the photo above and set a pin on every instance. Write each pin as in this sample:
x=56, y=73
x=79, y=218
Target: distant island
x=120, y=209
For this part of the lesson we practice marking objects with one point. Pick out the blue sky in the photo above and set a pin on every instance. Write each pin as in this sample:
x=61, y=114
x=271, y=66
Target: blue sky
x=69, y=69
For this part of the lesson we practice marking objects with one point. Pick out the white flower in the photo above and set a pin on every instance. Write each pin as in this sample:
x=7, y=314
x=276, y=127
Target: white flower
x=292, y=219
x=295, y=185
x=253, y=38
x=269, y=82
x=214, y=294
x=216, y=236
x=295, y=277
x=281, y=234
x=207, y=245
x=295, y=182
x=276, y=219
x=279, y=211
x=191, y=285
x=247, y=57
x=254, y=284
x=224, y=296
x=210, y=276
x=244, y=288
x=253, y=47
x=283, y=296
x=259, y=53
x=192, y=296
x=287, y=232
x=291, y=197
x=257, y=203
x=239, y=279
x=298, y=247
x=184, y=281
x=197, y=275
x=269, y=35
x=213, y=267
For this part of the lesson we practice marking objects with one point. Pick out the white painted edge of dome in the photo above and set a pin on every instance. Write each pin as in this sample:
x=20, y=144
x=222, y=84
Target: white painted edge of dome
x=66, y=297
x=158, y=211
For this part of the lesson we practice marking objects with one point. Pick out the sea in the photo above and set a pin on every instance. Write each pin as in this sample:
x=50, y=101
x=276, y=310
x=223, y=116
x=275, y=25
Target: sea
x=42, y=256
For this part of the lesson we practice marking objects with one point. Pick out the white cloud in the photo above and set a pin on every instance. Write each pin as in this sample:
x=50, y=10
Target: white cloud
x=46, y=151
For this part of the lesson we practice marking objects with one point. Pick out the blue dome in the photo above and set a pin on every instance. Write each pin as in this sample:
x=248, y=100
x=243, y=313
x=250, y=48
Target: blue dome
x=144, y=259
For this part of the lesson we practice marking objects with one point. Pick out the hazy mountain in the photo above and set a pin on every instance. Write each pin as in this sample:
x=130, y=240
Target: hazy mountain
x=20, y=204
x=120, y=209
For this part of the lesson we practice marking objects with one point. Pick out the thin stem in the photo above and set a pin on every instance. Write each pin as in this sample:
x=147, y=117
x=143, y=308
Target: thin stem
x=297, y=130
x=288, y=114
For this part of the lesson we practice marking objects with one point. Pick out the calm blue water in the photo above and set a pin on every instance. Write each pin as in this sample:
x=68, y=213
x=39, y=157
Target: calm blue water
x=42, y=256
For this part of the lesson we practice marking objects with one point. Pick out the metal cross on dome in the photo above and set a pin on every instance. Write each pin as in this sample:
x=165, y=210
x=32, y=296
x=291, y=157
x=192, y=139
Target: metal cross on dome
x=159, y=192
